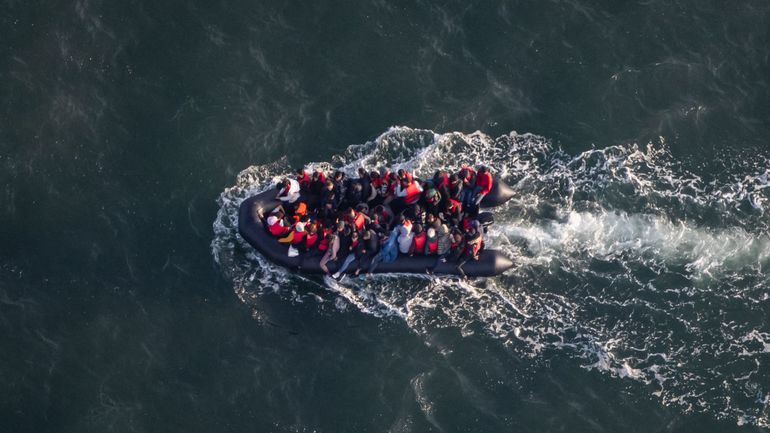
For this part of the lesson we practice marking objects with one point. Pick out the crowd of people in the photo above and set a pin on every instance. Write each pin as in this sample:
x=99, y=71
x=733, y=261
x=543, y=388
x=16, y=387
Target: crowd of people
x=364, y=221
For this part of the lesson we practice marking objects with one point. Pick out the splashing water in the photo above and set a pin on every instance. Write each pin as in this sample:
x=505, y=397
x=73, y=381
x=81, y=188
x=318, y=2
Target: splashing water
x=626, y=260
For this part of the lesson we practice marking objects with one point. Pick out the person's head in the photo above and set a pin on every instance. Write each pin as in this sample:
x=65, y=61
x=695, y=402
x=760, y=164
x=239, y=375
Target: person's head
x=315, y=176
x=330, y=237
x=379, y=209
x=453, y=179
x=340, y=226
x=431, y=195
x=430, y=218
x=300, y=171
x=464, y=174
x=354, y=235
x=329, y=185
x=471, y=231
x=431, y=233
x=435, y=225
x=367, y=235
x=374, y=175
x=448, y=206
x=350, y=212
x=457, y=235
x=362, y=208
x=338, y=175
x=401, y=173
x=357, y=186
x=482, y=169
x=361, y=172
x=418, y=228
x=311, y=228
x=401, y=219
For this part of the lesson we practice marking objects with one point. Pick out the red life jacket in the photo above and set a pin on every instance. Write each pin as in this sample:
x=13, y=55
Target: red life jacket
x=418, y=243
x=412, y=193
x=324, y=245
x=321, y=176
x=408, y=176
x=298, y=237
x=304, y=179
x=310, y=240
x=484, y=181
x=277, y=229
x=433, y=246
x=359, y=221
x=466, y=224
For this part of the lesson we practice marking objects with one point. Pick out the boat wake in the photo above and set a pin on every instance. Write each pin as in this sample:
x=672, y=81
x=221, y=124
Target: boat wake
x=626, y=260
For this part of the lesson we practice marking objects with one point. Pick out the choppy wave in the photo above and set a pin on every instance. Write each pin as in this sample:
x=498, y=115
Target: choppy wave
x=627, y=260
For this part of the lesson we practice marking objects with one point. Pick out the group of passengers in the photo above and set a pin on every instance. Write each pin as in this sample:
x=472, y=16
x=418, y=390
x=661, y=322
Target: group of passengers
x=372, y=218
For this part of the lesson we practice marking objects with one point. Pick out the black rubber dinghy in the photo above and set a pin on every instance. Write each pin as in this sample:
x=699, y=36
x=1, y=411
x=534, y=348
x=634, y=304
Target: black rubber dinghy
x=251, y=226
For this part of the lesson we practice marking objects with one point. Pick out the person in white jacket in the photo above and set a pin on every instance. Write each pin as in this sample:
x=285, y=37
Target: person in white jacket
x=405, y=235
x=288, y=191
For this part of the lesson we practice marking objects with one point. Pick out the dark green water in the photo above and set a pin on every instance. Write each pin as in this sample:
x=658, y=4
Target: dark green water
x=640, y=300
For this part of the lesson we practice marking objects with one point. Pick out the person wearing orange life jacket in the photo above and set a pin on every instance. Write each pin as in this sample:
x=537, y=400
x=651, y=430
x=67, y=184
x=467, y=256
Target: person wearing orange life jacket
x=276, y=224
x=418, y=241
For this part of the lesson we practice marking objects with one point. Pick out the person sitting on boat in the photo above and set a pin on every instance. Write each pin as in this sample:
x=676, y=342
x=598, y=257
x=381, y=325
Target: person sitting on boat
x=467, y=176
x=288, y=191
x=351, y=249
x=473, y=242
x=310, y=238
x=431, y=242
x=339, y=183
x=404, y=232
x=329, y=201
x=369, y=247
x=416, y=214
x=403, y=174
x=444, y=244
x=433, y=201
x=276, y=224
x=366, y=184
x=419, y=239
x=333, y=242
x=453, y=212
x=383, y=216
x=317, y=183
x=456, y=246
x=303, y=178
x=483, y=185
x=455, y=188
x=407, y=194
x=357, y=218
x=354, y=194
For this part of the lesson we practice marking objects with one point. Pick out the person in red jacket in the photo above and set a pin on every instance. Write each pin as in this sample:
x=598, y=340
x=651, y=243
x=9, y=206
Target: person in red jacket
x=483, y=185
x=276, y=224
x=418, y=241
x=303, y=178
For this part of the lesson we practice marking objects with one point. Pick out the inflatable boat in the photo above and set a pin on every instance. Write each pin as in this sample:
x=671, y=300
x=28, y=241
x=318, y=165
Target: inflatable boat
x=252, y=228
